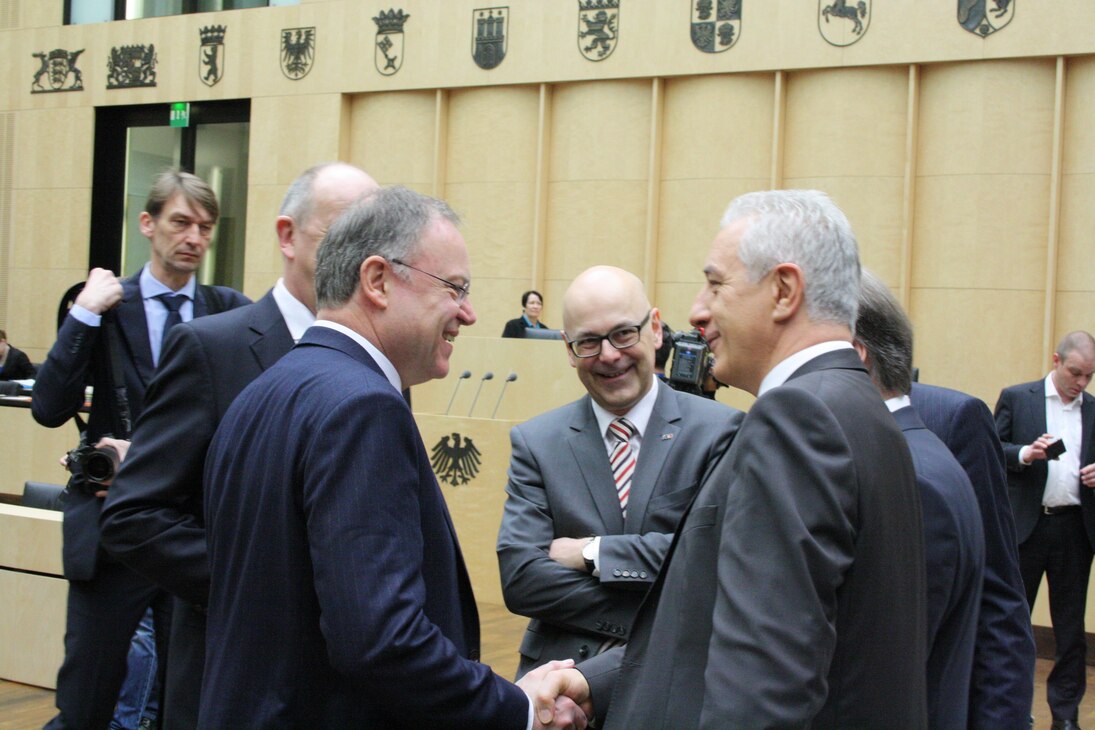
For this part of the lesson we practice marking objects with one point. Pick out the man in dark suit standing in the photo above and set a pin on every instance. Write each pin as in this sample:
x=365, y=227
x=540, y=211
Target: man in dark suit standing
x=589, y=516
x=152, y=520
x=1053, y=503
x=106, y=599
x=954, y=541
x=1002, y=682
x=793, y=594
x=338, y=594
x=14, y=363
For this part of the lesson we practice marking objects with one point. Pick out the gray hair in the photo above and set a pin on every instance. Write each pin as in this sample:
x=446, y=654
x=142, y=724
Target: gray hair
x=300, y=197
x=388, y=223
x=1078, y=340
x=885, y=332
x=806, y=228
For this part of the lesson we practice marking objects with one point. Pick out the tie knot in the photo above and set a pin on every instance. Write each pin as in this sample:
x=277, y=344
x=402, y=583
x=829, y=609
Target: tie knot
x=173, y=302
x=621, y=429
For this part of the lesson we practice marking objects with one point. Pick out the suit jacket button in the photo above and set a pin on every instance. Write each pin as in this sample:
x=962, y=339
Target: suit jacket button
x=616, y=572
x=642, y=574
x=583, y=652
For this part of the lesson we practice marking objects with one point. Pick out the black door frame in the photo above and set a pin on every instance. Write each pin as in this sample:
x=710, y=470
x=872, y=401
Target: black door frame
x=112, y=124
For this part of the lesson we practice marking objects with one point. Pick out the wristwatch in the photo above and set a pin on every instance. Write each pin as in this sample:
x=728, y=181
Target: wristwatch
x=587, y=555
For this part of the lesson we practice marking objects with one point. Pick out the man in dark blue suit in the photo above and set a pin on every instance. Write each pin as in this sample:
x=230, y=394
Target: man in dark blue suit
x=106, y=600
x=338, y=595
x=152, y=520
x=1051, y=496
x=954, y=544
x=1002, y=683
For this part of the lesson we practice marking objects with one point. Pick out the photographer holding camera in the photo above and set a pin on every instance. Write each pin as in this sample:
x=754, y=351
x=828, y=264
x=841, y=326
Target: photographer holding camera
x=111, y=339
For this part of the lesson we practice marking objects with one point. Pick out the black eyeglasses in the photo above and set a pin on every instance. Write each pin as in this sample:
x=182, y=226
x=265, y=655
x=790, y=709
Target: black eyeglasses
x=460, y=291
x=620, y=338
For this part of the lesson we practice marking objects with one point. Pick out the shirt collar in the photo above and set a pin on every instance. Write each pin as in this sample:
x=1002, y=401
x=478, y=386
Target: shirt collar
x=778, y=375
x=1051, y=393
x=639, y=415
x=896, y=403
x=153, y=287
x=297, y=316
x=381, y=360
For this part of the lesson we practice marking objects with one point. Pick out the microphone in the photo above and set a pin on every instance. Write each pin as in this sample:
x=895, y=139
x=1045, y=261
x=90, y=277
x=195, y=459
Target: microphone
x=486, y=376
x=463, y=376
x=509, y=379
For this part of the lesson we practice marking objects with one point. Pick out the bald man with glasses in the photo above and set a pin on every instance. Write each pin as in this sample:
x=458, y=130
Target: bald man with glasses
x=596, y=487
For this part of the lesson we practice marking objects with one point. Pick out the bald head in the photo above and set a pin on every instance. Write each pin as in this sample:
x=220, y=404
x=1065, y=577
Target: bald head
x=601, y=301
x=599, y=287
x=318, y=196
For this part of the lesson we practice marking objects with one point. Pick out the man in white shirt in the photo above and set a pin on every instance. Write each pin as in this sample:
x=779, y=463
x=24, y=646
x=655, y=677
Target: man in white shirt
x=589, y=516
x=1051, y=498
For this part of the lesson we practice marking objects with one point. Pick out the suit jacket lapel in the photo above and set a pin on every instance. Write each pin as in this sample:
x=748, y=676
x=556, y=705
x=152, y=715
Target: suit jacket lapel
x=587, y=446
x=658, y=441
x=270, y=335
x=1087, y=432
x=133, y=326
x=1037, y=405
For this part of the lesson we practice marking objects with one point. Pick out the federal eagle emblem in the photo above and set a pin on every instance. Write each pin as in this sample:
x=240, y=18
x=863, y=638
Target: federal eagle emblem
x=985, y=17
x=716, y=26
x=454, y=463
x=58, y=66
x=843, y=22
x=298, y=51
x=131, y=66
x=211, y=54
x=389, y=40
x=598, y=28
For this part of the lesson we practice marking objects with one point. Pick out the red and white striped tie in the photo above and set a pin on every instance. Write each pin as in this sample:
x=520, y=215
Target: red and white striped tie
x=622, y=458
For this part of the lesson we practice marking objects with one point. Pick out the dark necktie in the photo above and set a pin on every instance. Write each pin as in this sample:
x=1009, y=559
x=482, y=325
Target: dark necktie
x=173, y=302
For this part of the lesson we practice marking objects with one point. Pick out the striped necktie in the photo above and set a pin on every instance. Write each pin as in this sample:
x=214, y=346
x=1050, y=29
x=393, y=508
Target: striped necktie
x=622, y=459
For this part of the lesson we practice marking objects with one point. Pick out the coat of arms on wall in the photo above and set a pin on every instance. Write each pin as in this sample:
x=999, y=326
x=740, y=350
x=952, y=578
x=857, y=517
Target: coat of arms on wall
x=716, y=24
x=59, y=71
x=211, y=54
x=598, y=28
x=455, y=463
x=985, y=17
x=389, y=40
x=131, y=66
x=298, y=51
x=843, y=22
x=489, y=25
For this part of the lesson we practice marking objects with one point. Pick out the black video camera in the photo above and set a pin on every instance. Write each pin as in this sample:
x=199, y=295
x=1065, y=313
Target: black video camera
x=691, y=362
x=92, y=466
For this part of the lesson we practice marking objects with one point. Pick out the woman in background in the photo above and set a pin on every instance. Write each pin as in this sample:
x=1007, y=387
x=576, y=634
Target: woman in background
x=532, y=303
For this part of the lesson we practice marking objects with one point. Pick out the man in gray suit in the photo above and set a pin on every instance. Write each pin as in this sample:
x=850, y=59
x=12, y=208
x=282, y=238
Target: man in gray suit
x=589, y=516
x=794, y=593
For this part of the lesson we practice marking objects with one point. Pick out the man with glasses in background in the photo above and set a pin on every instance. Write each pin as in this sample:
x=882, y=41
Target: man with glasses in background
x=596, y=487
x=117, y=327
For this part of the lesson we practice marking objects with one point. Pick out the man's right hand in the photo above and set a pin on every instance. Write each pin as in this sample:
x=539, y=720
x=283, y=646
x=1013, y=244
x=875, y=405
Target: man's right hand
x=1036, y=450
x=557, y=683
x=101, y=292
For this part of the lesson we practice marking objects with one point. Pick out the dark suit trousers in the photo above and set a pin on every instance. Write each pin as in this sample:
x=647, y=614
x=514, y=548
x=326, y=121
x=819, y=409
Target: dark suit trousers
x=185, y=664
x=102, y=615
x=1059, y=548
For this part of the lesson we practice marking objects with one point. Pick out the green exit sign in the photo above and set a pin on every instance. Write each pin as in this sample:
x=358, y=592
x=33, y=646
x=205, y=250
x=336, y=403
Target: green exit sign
x=180, y=114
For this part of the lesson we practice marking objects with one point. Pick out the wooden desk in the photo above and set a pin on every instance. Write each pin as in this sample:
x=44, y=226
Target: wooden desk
x=28, y=451
x=33, y=596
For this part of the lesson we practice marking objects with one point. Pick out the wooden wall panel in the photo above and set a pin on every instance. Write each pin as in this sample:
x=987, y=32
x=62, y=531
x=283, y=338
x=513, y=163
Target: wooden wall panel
x=716, y=145
x=981, y=222
x=1076, y=264
x=392, y=137
x=491, y=183
x=829, y=145
x=598, y=175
